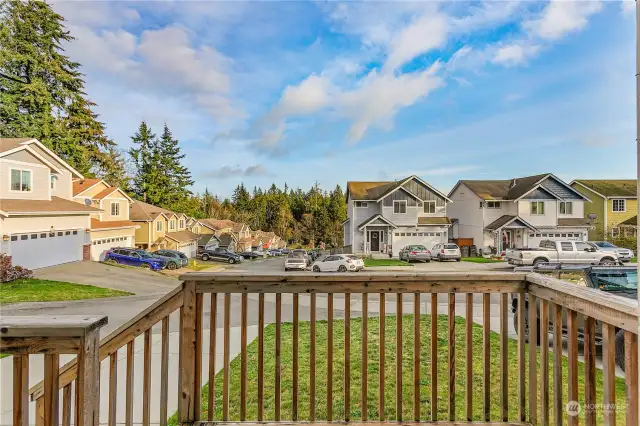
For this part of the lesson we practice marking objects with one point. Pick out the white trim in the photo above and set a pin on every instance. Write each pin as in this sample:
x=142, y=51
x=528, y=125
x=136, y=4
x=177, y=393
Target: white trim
x=575, y=191
x=565, y=208
x=86, y=189
x=53, y=179
x=434, y=207
x=355, y=204
x=32, y=152
x=50, y=213
x=116, y=227
x=376, y=217
x=24, y=163
x=544, y=208
x=624, y=204
x=431, y=188
x=111, y=205
x=60, y=160
x=586, y=187
x=399, y=201
x=20, y=191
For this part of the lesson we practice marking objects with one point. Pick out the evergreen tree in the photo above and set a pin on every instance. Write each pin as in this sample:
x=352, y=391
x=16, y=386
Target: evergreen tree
x=149, y=182
x=177, y=177
x=241, y=198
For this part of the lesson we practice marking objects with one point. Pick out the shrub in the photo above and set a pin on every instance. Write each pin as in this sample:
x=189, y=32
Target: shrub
x=630, y=243
x=9, y=273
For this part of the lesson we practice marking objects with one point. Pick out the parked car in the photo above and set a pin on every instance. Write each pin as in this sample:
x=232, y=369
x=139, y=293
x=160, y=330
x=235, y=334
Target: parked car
x=174, y=259
x=134, y=257
x=576, y=252
x=301, y=253
x=616, y=280
x=446, y=251
x=286, y=251
x=274, y=252
x=250, y=254
x=415, y=253
x=339, y=262
x=220, y=254
x=295, y=262
x=624, y=255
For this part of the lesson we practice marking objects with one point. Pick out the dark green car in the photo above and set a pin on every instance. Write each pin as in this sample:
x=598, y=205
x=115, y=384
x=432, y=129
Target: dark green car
x=173, y=258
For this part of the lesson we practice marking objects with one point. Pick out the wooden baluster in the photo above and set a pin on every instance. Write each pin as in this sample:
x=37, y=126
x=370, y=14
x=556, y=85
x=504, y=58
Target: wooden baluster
x=312, y=360
x=113, y=387
x=278, y=354
x=66, y=405
x=533, y=353
x=504, y=358
x=51, y=389
x=469, y=357
x=382, y=349
x=21, y=390
x=88, y=380
x=572, y=361
x=294, y=406
x=544, y=361
x=452, y=356
x=434, y=357
x=180, y=358
x=188, y=336
x=486, y=350
x=631, y=376
x=365, y=321
x=197, y=387
x=164, y=372
x=243, y=358
x=589, y=371
x=226, y=357
x=399, y=356
x=329, y=356
x=129, y=384
x=609, y=373
x=521, y=359
x=558, y=406
x=347, y=357
x=40, y=412
x=212, y=358
x=260, y=357
x=146, y=379
x=416, y=357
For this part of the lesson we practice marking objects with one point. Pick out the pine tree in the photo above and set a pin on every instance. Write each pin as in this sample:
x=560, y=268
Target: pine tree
x=177, y=176
x=148, y=180
x=114, y=170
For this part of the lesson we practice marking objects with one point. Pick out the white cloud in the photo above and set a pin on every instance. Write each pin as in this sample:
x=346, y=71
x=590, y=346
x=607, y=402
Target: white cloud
x=561, y=17
x=103, y=14
x=436, y=171
x=107, y=50
x=227, y=172
x=628, y=7
x=311, y=95
x=514, y=54
x=487, y=14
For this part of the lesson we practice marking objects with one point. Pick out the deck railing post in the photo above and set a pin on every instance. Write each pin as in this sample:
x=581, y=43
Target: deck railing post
x=186, y=398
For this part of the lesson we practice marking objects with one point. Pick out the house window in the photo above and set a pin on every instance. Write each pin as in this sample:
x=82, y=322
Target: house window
x=75, y=232
x=172, y=224
x=21, y=180
x=430, y=207
x=115, y=209
x=53, y=179
x=494, y=204
x=67, y=232
x=34, y=236
x=43, y=235
x=14, y=238
x=182, y=223
x=619, y=205
x=60, y=234
x=615, y=232
x=159, y=226
x=537, y=207
x=400, y=207
x=397, y=234
x=565, y=207
x=481, y=204
x=362, y=204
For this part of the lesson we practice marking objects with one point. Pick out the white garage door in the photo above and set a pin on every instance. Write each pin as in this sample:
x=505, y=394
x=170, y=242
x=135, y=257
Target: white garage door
x=189, y=249
x=534, y=241
x=37, y=250
x=427, y=239
x=100, y=247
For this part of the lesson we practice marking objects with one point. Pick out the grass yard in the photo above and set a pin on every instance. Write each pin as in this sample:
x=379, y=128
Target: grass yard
x=35, y=290
x=372, y=374
x=634, y=260
x=481, y=260
x=384, y=262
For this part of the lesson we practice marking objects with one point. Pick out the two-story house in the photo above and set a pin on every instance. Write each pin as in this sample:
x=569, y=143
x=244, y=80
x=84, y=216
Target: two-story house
x=518, y=212
x=162, y=229
x=614, y=203
x=110, y=227
x=384, y=217
x=40, y=224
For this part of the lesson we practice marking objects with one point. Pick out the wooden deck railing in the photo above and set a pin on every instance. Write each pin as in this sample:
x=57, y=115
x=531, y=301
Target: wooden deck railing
x=483, y=382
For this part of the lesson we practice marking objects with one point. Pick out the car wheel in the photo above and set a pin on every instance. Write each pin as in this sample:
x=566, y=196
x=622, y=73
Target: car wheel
x=539, y=261
x=458, y=260
x=619, y=340
x=111, y=261
x=439, y=258
x=205, y=257
x=316, y=268
x=146, y=266
x=526, y=325
x=342, y=268
x=231, y=261
x=172, y=266
x=607, y=261
x=286, y=269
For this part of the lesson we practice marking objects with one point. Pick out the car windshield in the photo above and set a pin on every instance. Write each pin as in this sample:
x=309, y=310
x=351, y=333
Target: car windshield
x=182, y=255
x=353, y=257
x=605, y=244
x=143, y=254
x=612, y=279
x=450, y=246
x=423, y=248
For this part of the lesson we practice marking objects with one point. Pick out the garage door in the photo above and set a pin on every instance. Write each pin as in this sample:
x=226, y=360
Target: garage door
x=189, y=249
x=37, y=250
x=534, y=239
x=100, y=247
x=427, y=239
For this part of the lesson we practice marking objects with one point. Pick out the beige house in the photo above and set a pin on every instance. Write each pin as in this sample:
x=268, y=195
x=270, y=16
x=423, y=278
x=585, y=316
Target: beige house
x=40, y=224
x=162, y=229
x=110, y=227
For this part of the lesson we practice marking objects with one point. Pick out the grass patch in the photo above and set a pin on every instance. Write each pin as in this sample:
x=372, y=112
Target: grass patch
x=200, y=266
x=390, y=373
x=35, y=290
x=481, y=260
x=384, y=262
x=634, y=260
x=4, y=355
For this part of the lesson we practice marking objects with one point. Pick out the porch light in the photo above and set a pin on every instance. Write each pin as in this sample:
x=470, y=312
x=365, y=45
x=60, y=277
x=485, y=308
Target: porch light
x=87, y=230
x=5, y=237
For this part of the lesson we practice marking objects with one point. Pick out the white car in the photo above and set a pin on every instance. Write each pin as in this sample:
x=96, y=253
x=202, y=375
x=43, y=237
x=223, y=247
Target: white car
x=624, y=254
x=446, y=251
x=340, y=263
x=295, y=262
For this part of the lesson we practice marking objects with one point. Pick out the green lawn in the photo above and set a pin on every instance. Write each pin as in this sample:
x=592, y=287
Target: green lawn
x=481, y=260
x=35, y=290
x=372, y=373
x=634, y=260
x=384, y=262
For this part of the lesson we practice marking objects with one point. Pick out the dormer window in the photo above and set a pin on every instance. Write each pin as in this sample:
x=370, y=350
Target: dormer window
x=362, y=204
x=115, y=209
x=53, y=179
x=172, y=224
x=159, y=226
x=21, y=180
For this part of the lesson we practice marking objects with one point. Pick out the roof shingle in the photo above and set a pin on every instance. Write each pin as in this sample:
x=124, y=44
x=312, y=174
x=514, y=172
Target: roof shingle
x=96, y=224
x=142, y=211
x=612, y=187
x=56, y=205
x=81, y=185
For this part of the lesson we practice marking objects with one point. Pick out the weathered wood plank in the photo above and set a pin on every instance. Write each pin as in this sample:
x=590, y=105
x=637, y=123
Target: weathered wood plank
x=504, y=358
x=186, y=398
x=347, y=357
x=146, y=379
x=416, y=357
x=164, y=371
x=88, y=382
x=558, y=405
x=365, y=355
x=631, y=376
x=226, y=357
x=296, y=337
x=533, y=354
x=260, y=357
x=590, y=371
x=382, y=348
x=609, y=373
x=39, y=345
x=129, y=385
x=58, y=326
x=544, y=361
x=211, y=409
x=21, y=390
x=469, y=356
x=197, y=382
x=312, y=359
x=113, y=388
x=572, y=361
x=66, y=405
x=486, y=351
x=51, y=389
x=278, y=354
x=452, y=356
x=284, y=423
x=399, y=357
x=330, y=356
x=521, y=359
x=434, y=357
x=243, y=358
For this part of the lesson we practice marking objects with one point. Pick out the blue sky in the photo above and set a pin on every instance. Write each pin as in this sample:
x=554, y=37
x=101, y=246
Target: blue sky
x=300, y=92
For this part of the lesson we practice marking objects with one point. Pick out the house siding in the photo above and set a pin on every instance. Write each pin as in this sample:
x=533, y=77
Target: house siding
x=559, y=189
x=399, y=195
x=614, y=218
x=596, y=206
x=548, y=219
x=424, y=193
x=465, y=207
x=40, y=175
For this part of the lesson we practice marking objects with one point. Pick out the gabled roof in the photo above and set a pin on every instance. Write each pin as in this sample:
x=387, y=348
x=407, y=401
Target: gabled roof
x=11, y=145
x=632, y=221
x=182, y=236
x=205, y=238
x=81, y=185
x=434, y=220
x=376, y=217
x=375, y=191
x=141, y=211
x=610, y=188
x=112, y=224
x=574, y=221
x=109, y=191
x=507, y=220
x=217, y=224
x=55, y=206
x=226, y=238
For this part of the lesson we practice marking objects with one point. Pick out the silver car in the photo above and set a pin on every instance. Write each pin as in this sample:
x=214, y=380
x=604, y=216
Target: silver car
x=446, y=251
x=624, y=254
x=415, y=253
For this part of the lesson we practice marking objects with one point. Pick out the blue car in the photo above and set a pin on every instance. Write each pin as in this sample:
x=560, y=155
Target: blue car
x=134, y=257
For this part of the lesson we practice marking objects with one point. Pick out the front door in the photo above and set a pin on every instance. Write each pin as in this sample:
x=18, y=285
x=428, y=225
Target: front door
x=375, y=241
x=507, y=239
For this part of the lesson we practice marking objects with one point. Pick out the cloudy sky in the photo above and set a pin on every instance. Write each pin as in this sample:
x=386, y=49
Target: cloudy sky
x=300, y=92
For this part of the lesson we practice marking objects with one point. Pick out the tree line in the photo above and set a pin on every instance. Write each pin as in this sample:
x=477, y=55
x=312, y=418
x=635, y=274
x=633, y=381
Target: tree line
x=42, y=95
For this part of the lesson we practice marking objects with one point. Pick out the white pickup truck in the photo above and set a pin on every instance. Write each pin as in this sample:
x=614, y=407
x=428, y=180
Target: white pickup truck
x=577, y=252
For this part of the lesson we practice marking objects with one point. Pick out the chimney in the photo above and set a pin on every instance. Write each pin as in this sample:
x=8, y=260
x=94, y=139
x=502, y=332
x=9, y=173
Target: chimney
x=514, y=181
